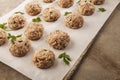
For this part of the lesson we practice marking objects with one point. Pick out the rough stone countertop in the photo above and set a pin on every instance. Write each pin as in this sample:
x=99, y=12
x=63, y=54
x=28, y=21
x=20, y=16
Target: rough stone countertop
x=102, y=61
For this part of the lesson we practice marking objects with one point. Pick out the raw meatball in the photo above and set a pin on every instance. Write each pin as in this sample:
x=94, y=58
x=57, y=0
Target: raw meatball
x=86, y=8
x=48, y=1
x=97, y=2
x=33, y=8
x=65, y=3
x=3, y=37
x=58, y=39
x=44, y=58
x=20, y=47
x=51, y=14
x=74, y=21
x=16, y=21
x=34, y=31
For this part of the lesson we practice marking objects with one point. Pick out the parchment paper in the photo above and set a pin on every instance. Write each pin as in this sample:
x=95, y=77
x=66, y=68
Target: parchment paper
x=80, y=39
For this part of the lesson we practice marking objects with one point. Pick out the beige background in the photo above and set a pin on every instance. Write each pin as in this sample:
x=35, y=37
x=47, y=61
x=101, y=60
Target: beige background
x=102, y=61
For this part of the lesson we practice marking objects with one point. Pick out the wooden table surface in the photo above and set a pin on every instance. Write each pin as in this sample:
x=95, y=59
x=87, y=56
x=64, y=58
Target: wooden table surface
x=102, y=60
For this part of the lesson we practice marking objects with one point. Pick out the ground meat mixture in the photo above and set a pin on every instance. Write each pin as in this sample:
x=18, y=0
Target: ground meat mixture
x=65, y=3
x=20, y=47
x=51, y=14
x=43, y=58
x=74, y=21
x=33, y=8
x=48, y=1
x=3, y=37
x=16, y=21
x=34, y=31
x=97, y=2
x=58, y=39
x=86, y=8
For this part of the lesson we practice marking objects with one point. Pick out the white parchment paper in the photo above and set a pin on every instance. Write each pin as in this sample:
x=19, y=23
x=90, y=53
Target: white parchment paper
x=79, y=40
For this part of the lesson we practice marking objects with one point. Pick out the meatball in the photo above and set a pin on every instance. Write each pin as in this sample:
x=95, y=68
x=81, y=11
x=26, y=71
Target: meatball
x=16, y=21
x=3, y=37
x=51, y=14
x=74, y=21
x=48, y=1
x=97, y=2
x=43, y=58
x=86, y=8
x=65, y=3
x=20, y=47
x=58, y=39
x=33, y=8
x=34, y=31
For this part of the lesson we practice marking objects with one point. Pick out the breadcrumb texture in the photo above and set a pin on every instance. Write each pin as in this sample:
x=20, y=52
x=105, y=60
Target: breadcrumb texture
x=97, y=2
x=48, y=1
x=34, y=31
x=16, y=21
x=74, y=21
x=86, y=8
x=58, y=39
x=3, y=37
x=51, y=14
x=33, y=8
x=65, y=3
x=20, y=47
x=44, y=58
